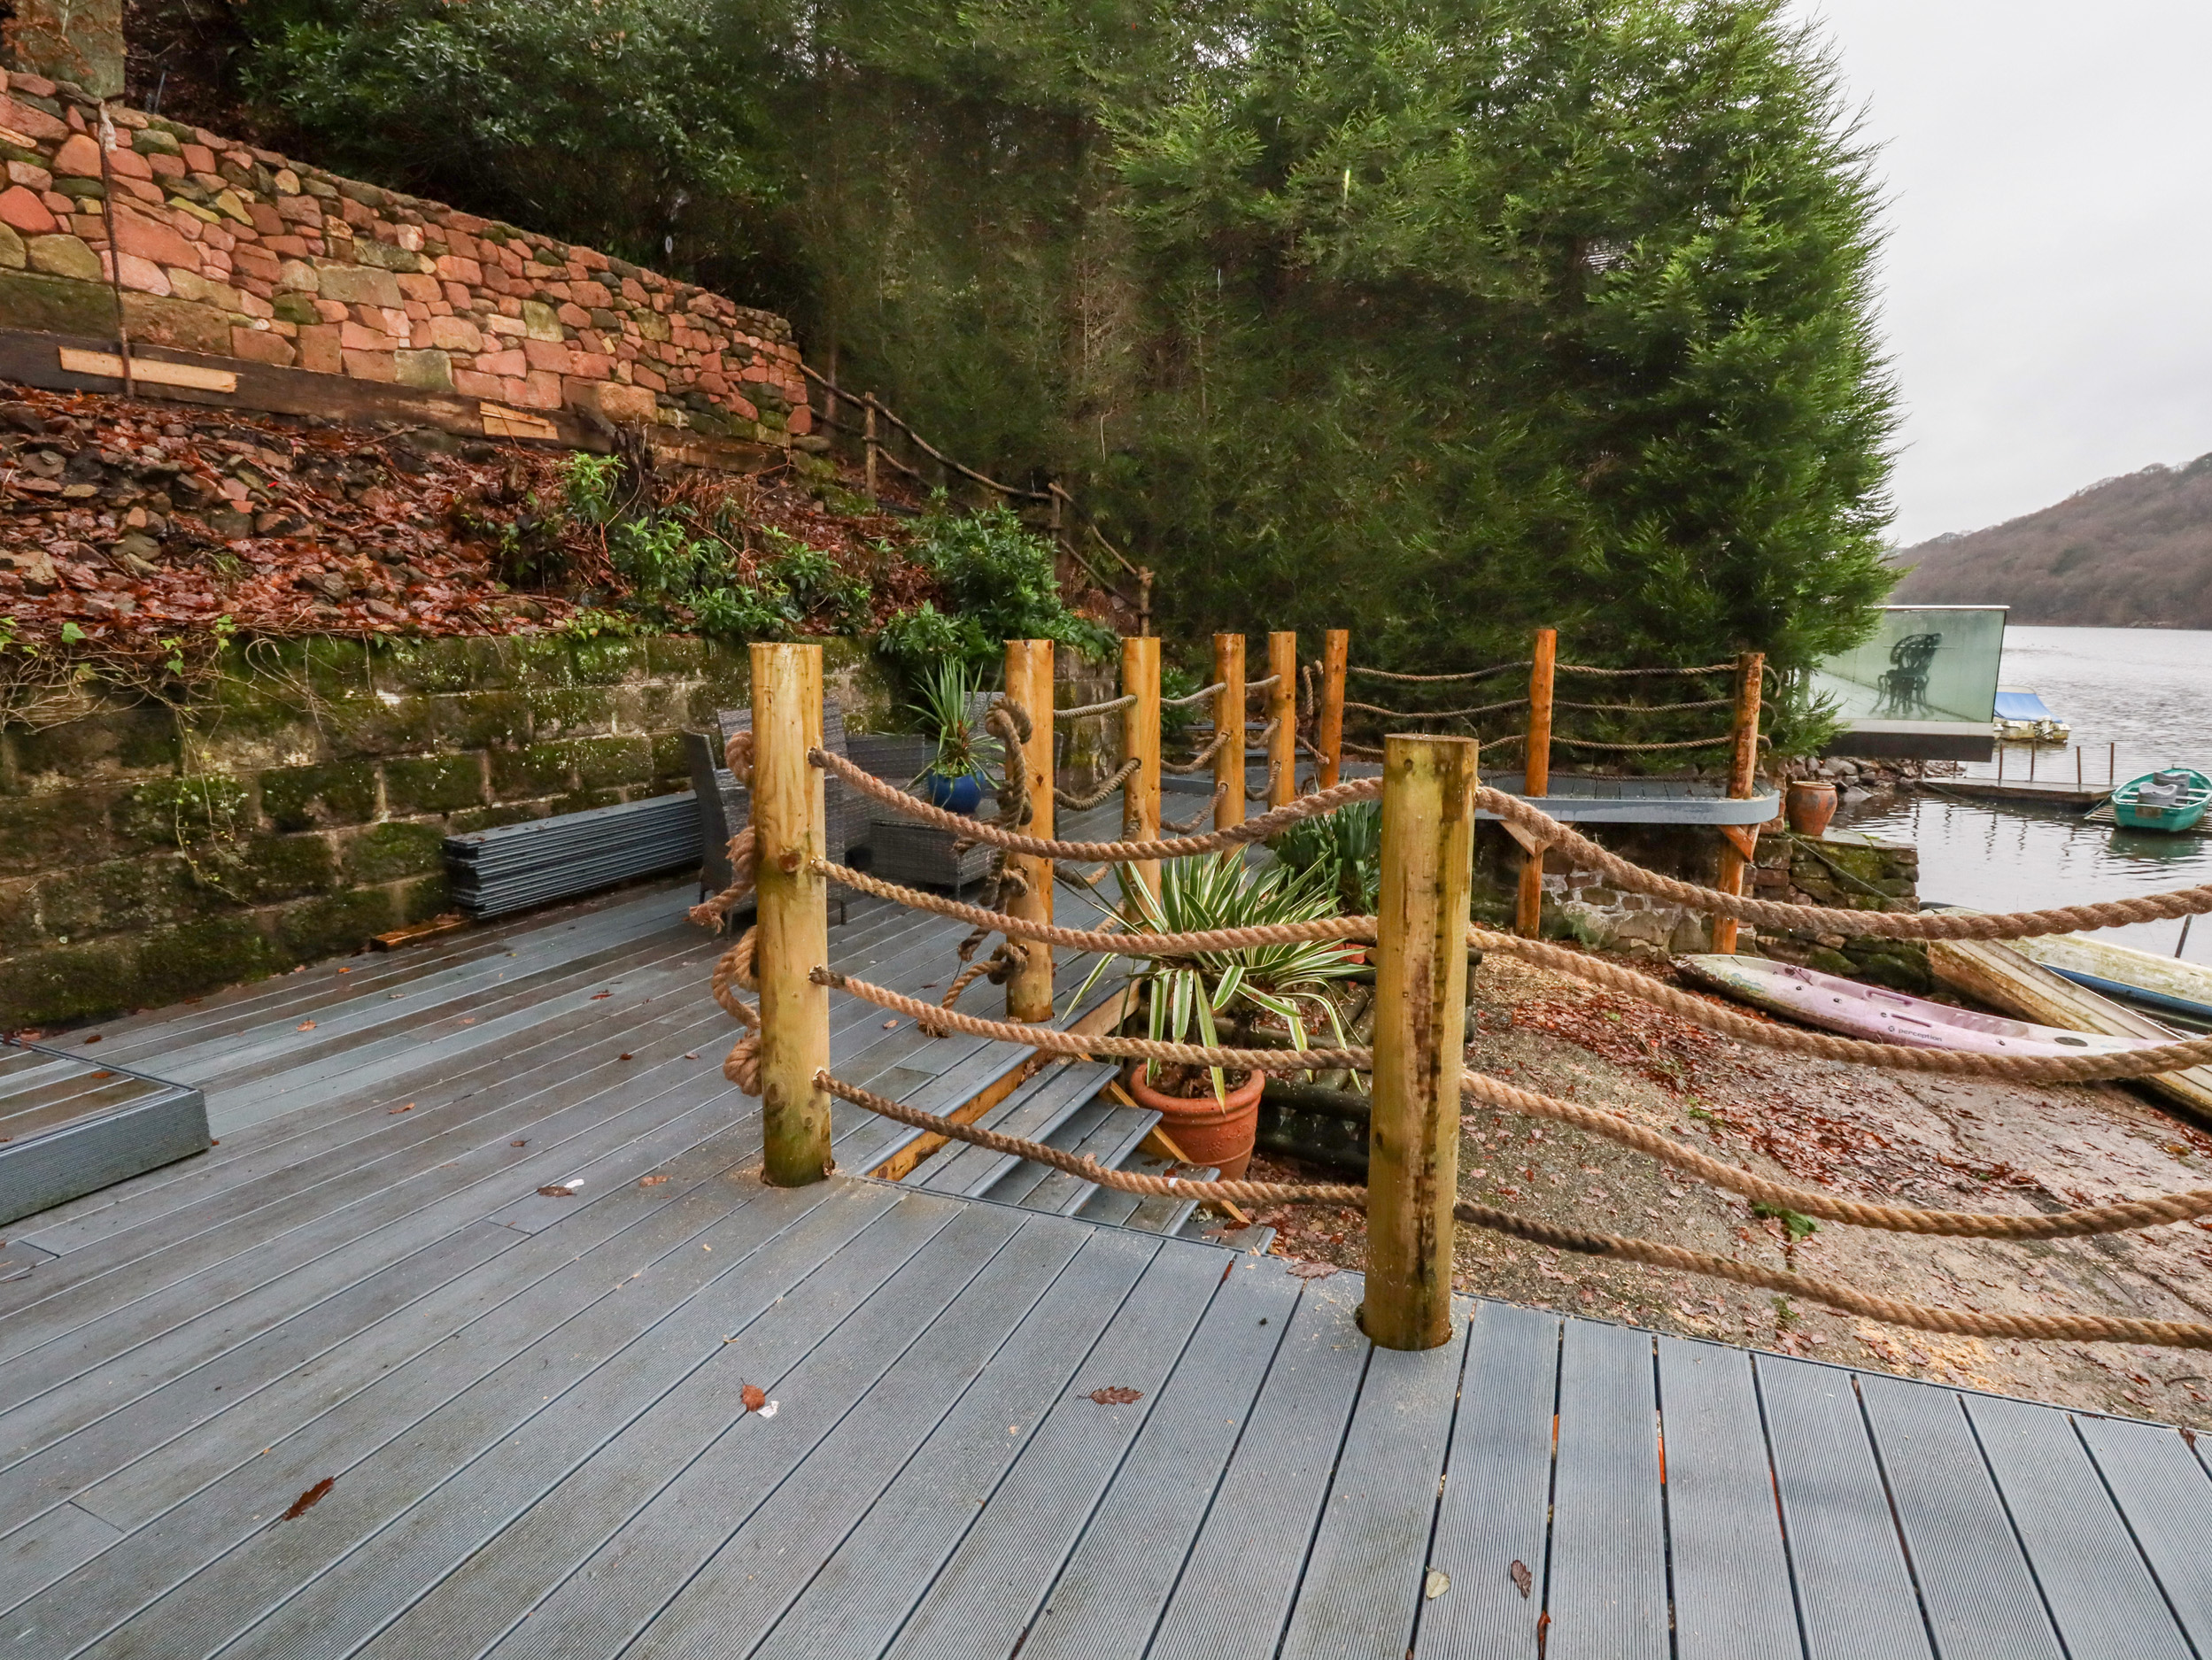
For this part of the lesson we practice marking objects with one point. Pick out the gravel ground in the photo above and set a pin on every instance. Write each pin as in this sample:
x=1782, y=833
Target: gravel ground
x=1854, y=1130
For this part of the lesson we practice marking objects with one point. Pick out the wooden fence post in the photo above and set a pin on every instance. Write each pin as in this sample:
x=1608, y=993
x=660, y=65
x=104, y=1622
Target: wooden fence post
x=1328, y=726
x=1742, y=840
x=1282, y=714
x=1421, y=1005
x=1141, y=743
x=1029, y=683
x=1536, y=779
x=867, y=438
x=788, y=823
x=1144, y=600
x=1228, y=726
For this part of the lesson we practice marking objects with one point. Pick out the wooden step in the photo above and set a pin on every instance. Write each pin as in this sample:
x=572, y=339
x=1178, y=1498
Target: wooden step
x=1098, y=1129
x=1033, y=1111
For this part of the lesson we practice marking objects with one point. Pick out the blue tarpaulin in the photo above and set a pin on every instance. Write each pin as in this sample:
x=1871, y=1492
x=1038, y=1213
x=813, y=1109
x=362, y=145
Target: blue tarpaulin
x=2022, y=706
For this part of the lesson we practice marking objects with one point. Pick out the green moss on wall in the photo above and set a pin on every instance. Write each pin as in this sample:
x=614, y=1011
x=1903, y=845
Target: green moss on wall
x=389, y=852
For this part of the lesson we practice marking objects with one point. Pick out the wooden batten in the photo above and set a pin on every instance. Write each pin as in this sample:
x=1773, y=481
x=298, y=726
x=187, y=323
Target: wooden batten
x=1328, y=726
x=1228, y=726
x=1536, y=781
x=1282, y=714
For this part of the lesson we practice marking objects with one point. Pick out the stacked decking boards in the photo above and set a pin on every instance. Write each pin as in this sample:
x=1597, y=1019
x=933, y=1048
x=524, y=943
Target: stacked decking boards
x=517, y=865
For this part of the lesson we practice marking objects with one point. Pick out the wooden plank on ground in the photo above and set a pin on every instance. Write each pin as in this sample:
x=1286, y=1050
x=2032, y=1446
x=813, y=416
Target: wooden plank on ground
x=1977, y=1589
x=991, y=1588
x=1110, y=1596
x=1367, y=1575
x=1731, y=1574
x=1855, y=1588
x=1497, y=1502
x=1239, y=1584
x=863, y=1592
x=1607, y=1593
x=715, y=1535
x=2102, y=1595
x=2162, y=1489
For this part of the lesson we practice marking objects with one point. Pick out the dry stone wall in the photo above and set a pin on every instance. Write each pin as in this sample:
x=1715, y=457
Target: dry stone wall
x=238, y=253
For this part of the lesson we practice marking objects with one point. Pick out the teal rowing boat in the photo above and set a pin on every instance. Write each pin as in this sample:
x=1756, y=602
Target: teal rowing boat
x=2173, y=798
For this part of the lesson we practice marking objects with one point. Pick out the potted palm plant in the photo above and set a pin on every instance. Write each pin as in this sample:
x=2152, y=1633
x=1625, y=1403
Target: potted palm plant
x=958, y=772
x=1209, y=1112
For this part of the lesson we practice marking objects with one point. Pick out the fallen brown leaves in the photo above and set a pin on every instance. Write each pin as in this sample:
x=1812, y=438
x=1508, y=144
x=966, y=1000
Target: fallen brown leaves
x=308, y=1500
x=1115, y=1395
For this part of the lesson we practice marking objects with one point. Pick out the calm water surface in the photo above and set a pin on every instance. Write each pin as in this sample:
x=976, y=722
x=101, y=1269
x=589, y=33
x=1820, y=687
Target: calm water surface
x=2137, y=698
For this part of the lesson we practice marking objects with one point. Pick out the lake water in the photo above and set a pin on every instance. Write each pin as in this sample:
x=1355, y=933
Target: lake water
x=2137, y=698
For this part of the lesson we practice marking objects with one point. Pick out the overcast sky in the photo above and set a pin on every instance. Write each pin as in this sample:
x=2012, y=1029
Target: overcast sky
x=2047, y=274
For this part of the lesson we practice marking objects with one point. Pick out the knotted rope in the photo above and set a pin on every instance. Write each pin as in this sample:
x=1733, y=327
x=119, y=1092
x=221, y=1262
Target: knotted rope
x=1431, y=680
x=1434, y=715
x=1199, y=696
x=1201, y=761
x=1084, y=803
x=2073, y=1328
x=1107, y=707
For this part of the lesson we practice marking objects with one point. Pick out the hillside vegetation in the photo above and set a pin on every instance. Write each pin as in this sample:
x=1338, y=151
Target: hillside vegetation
x=2132, y=552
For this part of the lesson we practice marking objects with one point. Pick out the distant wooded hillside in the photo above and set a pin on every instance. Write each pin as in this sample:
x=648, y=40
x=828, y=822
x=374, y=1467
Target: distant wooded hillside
x=2132, y=550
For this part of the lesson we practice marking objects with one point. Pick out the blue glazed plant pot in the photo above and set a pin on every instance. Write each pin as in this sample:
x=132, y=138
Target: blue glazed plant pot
x=964, y=794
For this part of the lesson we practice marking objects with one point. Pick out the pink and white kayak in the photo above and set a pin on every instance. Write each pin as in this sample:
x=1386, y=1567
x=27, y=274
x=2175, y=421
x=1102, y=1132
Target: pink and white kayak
x=1885, y=1016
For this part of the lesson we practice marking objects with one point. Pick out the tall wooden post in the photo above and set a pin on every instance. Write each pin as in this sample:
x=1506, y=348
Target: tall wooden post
x=1537, y=780
x=1144, y=600
x=1228, y=726
x=788, y=825
x=1742, y=840
x=1282, y=714
x=868, y=439
x=1328, y=725
x=1420, y=1027
x=1029, y=683
x=1141, y=743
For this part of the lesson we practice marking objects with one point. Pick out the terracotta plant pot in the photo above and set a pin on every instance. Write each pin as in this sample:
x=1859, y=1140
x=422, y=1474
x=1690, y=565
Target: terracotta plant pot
x=1207, y=1131
x=1812, y=805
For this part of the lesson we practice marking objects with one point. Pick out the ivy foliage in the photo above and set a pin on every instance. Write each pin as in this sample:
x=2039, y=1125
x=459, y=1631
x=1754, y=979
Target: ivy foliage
x=1438, y=319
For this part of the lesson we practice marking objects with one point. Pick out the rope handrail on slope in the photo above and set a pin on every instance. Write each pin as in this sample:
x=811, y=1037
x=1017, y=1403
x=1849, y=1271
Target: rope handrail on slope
x=1107, y=707
x=1435, y=714
x=1199, y=696
x=2075, y=1328
x=1431, y=680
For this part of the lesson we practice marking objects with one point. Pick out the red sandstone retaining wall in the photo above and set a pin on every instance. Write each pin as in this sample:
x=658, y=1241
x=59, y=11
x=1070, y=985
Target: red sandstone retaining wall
x=238, y=253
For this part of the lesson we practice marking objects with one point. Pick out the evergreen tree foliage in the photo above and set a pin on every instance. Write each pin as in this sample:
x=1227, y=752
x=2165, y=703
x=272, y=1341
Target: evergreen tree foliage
x=1436, y=319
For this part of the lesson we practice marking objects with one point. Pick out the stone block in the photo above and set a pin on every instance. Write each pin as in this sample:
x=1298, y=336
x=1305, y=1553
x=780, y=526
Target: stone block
x=200, y=956
x=433, y=783
x=274, y=867
x=572, y=712
x=41, y=987
x=388, y=851
x=369, y=726
x=606, y=763
x=371, y=365
x=423, y=898
x=155, y=322
x=63, y=255
x=483, y=720
x=258, y=345
x=152, y=240
x=541, y=322
x=195, y=810
x=532, y=773
x=359, y=285
x=428, y=368
x=303, y=798
x=106, y=898
x=329, y=927
x=489, y=818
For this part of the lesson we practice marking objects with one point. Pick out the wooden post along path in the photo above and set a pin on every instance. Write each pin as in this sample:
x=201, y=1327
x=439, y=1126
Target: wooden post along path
x=1282, y=714
x=1537, y=780
x=788, y=821
x=1229, y=727
x=1328, y=726
x=1429, y=786
x=1029, y=683
x=1141, y=743
x=1742, y=840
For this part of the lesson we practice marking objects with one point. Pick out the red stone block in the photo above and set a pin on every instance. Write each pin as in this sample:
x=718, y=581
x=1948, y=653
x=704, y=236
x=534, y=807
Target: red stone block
x=510, y=365
x=541, y=390
x=216, y=237
x=290, y=247
x=802, y=419
x=596, y=294
x=127, y=164
x=353, y=337
x=266, y=219
x=319, y=349
x=23, y=212
x=354, y=213
x=143, y=276
x=591, y=365
x=252, y=256
x=30, y=120
x=631, y=291
x=415, y=286
x=473, y=383
x=371, y=365
x=574, y=315
x=259, y=346
x=644, y=376
x=550, y=356
x=456, y=268
x=738, y=407
x=459, y=294
x=59, y=206
x=713, y=384
x=198, y=157
x=166, y=166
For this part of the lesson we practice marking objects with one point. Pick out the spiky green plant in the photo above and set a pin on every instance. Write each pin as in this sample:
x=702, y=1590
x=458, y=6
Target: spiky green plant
x=964, y=749
x=1183, y=995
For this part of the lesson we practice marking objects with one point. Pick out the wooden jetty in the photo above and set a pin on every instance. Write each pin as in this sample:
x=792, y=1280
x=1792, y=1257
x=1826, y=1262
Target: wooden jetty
x=2052, y=792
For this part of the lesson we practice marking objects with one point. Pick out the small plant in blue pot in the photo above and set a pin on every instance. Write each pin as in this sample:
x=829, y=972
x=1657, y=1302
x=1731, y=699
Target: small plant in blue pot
x=951, y=711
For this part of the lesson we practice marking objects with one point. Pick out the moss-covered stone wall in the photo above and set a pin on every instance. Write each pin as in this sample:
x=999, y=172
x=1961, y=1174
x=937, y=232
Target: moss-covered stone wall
x=298, y=807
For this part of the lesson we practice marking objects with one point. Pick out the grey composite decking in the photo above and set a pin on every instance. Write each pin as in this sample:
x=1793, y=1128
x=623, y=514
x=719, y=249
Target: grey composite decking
x=349, y=1384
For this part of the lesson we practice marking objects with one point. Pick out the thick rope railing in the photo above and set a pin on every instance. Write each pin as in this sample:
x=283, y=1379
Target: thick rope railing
x=1199, y=696
x=1107, y=707
x=1815, y=919
x=1080, y=1044
x=1253, y=829
x=1201, y=761
x=1631, y=674
x=1111, y=785
x=1693, y=743
x=1646, y=708
x=1433, y=680
x=1437, y=715
x=1919, y=1316
x=2145, y=1062
x=1183, y=826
